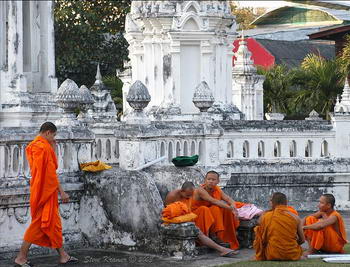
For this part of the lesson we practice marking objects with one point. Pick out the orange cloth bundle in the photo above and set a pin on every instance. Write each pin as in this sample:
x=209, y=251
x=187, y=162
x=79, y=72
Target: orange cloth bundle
x=94, y=166
x=177, y=212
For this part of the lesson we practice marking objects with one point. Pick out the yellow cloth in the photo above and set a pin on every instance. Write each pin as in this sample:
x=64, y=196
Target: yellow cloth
x=94, y=166
x=177, y=212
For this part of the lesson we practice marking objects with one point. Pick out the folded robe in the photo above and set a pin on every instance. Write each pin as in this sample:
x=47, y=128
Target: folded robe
x=328, y=239
x=276, y=236
x=95, y=166
x=45, y=228
x=177, y=212
x=224, y=223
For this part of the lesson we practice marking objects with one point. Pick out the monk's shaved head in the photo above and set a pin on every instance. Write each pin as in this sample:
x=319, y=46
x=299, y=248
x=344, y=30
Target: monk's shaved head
x=279, y=198
x=48, y=126
x=187, y=185
x=330, y=199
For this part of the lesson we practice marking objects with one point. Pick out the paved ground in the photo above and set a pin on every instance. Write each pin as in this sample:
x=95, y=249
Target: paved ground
x=109, y=258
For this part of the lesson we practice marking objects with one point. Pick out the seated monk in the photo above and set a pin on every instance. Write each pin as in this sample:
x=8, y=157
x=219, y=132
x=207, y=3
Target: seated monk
x=222, y=208
x=279, y=234
x=185, y=195
x=325, y=229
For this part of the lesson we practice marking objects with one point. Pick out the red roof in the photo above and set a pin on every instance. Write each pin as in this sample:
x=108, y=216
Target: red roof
x=260, y=55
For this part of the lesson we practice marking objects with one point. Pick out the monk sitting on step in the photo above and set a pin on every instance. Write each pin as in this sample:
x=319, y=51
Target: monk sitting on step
x=185, y=195
x=209, y=197
x=325, y=229
x=279, y=234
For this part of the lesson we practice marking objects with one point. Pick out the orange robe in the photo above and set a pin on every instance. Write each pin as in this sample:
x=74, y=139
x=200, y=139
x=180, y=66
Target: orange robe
x=224, y=223
x=327, y=239
x=177, y=212
x=276, y=236
x=45, y=228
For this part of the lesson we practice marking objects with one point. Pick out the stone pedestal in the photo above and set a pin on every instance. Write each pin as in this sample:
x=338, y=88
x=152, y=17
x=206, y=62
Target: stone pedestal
x=274, y=116
x=245, y=233
x=179, y=240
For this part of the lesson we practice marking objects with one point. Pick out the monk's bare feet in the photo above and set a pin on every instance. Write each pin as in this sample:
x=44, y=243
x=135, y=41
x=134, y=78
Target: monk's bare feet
x=64, y=257
x=227, y=251
x=307, y=253
x=22, y=261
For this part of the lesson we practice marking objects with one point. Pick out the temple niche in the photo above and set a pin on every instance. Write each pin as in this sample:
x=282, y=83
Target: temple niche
x=27, y=62
x=176, y=45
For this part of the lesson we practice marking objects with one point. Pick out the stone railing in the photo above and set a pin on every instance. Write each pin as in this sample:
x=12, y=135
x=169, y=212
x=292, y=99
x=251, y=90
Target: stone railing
x=221, y=142
x=106, y=149
x=71, y=150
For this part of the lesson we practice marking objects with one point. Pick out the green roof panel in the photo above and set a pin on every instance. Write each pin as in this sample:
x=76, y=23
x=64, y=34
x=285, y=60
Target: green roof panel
x=294, y=15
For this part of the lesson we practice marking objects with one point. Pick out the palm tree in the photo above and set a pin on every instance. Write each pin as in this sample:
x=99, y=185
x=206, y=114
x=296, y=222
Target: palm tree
x=345, y=56
x=276, y=88
x=320, y=80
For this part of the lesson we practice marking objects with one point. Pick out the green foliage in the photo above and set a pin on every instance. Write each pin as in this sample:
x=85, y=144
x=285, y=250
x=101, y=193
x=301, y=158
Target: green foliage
x=278, y=81
x=245, y=15
x=322, y=80
x=345, y=56
x=296, y=92
x=88, y=32
x=116, y=85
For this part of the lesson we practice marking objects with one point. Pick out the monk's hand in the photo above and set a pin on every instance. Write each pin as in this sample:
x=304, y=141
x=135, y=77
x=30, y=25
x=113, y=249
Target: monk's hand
x=64, y=197
x=234, y=210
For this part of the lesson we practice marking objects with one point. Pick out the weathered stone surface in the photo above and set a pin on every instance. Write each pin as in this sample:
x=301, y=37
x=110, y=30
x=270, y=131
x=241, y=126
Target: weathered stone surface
x=276, y=126
x=131, y=202
x=245, y=233
x=180, y=239
x=302, y=181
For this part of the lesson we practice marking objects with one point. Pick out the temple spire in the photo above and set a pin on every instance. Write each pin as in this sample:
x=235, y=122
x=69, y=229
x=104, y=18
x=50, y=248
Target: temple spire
x=98, y=74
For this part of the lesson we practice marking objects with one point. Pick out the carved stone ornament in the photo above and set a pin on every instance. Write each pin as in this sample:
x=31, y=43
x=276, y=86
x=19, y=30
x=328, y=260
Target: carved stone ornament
x=138, y=96
x=22, y=217
x=68, y=98
x=203, y=98
x=313, y=116
x=66, y=210
x=86, y=104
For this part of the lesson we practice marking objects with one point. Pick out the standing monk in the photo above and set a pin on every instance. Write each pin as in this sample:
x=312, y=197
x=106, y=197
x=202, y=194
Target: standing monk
x=279, y=234
x=222, y=208
x=185, y=195
x=45, y=229
x=325, y=229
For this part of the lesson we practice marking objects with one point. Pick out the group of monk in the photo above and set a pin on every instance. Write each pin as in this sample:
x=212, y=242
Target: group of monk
x=279, y=233
x=278, y=236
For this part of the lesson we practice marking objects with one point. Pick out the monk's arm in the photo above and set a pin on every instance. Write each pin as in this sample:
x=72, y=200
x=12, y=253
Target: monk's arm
x=229, y=200
x=169, y=198
x=64, y=195
x=321, y=224
x=205, y=196
x=317, y=215
x=301, y=236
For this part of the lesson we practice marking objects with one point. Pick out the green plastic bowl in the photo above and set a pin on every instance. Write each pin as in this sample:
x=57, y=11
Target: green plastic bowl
x=183, y=161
